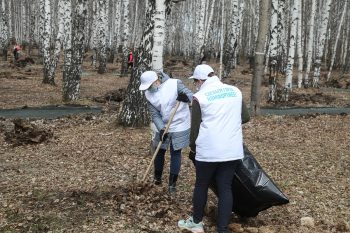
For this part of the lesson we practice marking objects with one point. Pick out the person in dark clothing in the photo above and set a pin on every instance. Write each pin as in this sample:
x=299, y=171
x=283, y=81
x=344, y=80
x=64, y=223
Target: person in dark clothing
x=130, y=60
x=16, y=49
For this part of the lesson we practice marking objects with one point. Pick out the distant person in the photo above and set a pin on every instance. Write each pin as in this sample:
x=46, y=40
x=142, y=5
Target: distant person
x=130, y=60
x=16, y=50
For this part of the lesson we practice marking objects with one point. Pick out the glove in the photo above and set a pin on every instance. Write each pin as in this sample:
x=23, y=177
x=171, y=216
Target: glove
x=192, y=157
x=162, y=135
x=182, y=97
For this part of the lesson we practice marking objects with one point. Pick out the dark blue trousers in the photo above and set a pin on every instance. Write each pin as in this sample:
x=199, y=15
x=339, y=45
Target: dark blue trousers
x=222, y=173
x=175, y=160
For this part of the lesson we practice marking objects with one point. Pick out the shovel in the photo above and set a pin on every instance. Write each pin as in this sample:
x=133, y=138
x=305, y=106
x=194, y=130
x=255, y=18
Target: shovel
x=161, y=141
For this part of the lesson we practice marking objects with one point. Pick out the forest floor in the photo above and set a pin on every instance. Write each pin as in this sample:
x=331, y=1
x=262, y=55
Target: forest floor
x=83, y=176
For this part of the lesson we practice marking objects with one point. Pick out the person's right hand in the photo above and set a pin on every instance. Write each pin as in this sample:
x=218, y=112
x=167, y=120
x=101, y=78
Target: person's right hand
x=162, y=135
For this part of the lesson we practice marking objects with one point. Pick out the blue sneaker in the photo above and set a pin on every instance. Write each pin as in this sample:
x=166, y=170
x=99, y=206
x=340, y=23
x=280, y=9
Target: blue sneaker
x=190, y=225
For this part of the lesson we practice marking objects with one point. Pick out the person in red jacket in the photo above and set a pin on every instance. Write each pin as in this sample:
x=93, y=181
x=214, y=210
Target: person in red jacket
x=130, y=60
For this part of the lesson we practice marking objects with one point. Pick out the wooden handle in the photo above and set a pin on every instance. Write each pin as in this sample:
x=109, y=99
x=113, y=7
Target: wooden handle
x=160, y=142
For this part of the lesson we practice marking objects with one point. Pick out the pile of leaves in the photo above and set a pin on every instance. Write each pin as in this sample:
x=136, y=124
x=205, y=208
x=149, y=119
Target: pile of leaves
x=25, y=132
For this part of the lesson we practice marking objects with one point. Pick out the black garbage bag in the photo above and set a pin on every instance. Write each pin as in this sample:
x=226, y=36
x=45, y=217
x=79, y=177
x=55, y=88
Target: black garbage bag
x=253, y=189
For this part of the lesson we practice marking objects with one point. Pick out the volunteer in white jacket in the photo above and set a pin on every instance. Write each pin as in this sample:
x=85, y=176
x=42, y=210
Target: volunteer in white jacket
x=162, y=92
x=216, y=144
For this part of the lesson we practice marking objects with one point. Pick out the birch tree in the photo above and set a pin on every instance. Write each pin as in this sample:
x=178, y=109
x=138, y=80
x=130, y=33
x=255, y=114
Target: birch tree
x=199, y=33
x=299, y=45
x=310, y=43
x=336, y=41
x=158, y=35
x=292, y=40
x=51, y=64
x=102, y=35
x=232, y=38
x=259, y=57
x=273, y=47
x=125, y=36
x=321, y=42
x=73, y=60
x=4, y=28
x=46, y=36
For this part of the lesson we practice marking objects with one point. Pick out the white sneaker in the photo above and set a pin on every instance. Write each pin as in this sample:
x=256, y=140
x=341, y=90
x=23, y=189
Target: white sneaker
x=190, y=225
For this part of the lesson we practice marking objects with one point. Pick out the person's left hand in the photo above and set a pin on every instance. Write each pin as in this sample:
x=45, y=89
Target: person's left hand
x=182, y=97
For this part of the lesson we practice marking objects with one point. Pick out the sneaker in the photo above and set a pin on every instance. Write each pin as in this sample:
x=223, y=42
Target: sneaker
x=190, y=225
x=172, y=190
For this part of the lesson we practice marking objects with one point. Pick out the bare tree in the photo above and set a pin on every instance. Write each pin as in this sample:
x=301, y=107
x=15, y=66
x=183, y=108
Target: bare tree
x=321, y=42
x=336, y=41
x=4, y=28
x=259, y=56
x=74, y=53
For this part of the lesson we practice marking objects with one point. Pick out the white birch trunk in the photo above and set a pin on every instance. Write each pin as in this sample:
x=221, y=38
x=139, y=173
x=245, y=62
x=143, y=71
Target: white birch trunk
x=222, y=37
x=321, y=42
x=310, y=42
x=54, y=57
x=125, y=36
x=292, y=40
x=299, y=46
x=46, y=36
x=158, y=36
x=199, y=33
x=209, y=22
x=102, y=26
x=94, y=39
x=273, y=49
x=336, y=41
x=72, y=73
x=4, y=29
x=232, y=39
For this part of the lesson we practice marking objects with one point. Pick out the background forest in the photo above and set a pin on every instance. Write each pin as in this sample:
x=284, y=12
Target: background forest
x=80, y=173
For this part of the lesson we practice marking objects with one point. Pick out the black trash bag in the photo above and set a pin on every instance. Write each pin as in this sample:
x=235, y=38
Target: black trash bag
x=253, y=189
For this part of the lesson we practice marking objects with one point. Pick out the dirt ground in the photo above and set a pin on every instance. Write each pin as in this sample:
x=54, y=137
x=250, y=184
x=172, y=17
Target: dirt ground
x=85, y=178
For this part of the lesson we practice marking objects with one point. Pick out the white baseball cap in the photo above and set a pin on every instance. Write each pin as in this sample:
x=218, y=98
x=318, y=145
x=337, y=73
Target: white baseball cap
x=147, y=78
x=201, y=72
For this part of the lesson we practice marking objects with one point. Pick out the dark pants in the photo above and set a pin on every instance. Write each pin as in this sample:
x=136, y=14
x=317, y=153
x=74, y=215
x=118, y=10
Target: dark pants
x=130, y=65
x=175, y=160
x=222, y=173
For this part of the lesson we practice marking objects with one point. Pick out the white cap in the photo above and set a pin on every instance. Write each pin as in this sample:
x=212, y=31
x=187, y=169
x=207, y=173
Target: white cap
x=147, y=78
x=201, y=72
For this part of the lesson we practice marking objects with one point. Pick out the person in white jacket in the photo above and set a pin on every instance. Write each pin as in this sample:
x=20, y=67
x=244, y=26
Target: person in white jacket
x=216, y=144
x=161, y=93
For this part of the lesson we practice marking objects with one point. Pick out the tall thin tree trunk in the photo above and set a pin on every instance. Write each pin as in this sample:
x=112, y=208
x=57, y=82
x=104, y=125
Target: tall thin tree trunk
x=125, y=37
x=74, y=55
x=46, y=43
x=310, y=42
x=299, y=46
x=222, y=37
x=158, y=36
x=336, y=41
x=102, y=35
x=321, y=43
x=4, y=29
x=259, y=56
x=292, y=39
x=273, y=48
